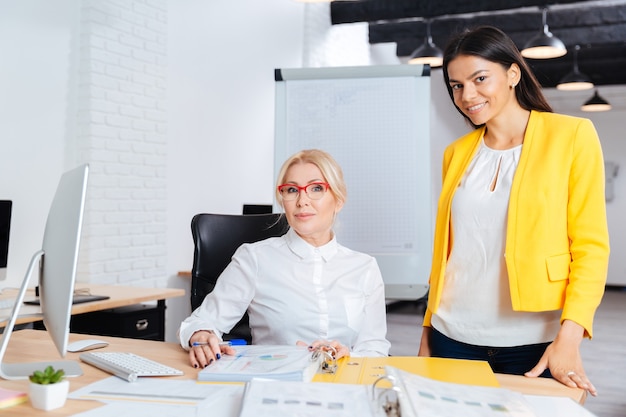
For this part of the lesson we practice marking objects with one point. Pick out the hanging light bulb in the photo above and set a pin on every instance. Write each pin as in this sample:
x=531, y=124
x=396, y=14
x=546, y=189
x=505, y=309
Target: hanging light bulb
x=428, y=52
x=545, y=45
x=596, y=103
x=575, y=80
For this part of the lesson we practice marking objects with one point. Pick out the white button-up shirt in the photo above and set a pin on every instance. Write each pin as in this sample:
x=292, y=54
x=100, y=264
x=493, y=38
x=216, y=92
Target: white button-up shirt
x=294, y=291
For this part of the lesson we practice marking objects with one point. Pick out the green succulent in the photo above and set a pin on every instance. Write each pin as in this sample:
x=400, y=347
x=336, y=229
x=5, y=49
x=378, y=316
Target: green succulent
x=48, y=376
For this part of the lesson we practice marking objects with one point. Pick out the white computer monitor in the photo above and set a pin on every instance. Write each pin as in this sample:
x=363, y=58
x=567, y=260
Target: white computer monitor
x=56, y=262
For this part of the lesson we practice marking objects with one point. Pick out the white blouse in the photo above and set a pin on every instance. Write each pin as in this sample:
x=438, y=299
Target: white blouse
x=476, y=305
x=293, y=292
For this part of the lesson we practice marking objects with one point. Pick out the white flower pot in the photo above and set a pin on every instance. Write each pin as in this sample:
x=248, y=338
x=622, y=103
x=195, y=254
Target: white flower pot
x=49, y=397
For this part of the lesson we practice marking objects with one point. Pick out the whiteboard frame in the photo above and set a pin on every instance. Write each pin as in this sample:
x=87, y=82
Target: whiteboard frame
x=403, y=265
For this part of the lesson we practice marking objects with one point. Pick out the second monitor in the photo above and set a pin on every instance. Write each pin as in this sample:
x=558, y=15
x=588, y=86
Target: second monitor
x=5, y=228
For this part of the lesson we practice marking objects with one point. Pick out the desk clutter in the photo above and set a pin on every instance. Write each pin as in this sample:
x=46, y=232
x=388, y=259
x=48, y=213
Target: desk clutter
x=397, y=393
x=350, y=386
x=286, y=363
x=366, y=370
x=400, y=394
x=9, y=397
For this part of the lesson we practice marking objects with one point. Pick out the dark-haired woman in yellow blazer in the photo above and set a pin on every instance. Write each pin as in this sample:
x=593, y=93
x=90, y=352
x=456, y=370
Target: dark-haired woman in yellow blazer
x=521, y=242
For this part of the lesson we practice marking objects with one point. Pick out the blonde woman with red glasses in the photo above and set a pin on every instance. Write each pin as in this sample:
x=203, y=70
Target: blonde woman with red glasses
x=301, y=288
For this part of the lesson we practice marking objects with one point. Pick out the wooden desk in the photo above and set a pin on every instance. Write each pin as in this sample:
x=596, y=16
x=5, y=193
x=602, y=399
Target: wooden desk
x=22, y=349
x=120, y=296
x=541, y=386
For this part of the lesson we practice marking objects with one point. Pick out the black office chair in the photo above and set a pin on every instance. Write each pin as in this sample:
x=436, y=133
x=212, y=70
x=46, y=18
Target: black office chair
x=216, y=238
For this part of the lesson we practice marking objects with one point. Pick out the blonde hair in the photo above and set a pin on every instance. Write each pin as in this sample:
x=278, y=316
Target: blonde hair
x=331, y=171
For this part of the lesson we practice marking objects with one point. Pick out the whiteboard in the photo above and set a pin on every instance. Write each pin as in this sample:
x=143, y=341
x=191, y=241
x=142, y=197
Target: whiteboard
x=375, y=122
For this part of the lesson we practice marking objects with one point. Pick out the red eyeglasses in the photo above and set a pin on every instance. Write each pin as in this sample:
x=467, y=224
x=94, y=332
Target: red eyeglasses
x=314, y=190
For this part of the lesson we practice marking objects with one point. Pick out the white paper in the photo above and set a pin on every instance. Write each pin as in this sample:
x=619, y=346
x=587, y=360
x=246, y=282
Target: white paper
x=157, y=391
x=265, y=398
x=547, y=406
x=122, y=409
x=290, y=363
x=431, y=398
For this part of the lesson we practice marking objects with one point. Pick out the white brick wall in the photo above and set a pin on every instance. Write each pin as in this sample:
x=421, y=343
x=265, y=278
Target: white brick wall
x=122, y=134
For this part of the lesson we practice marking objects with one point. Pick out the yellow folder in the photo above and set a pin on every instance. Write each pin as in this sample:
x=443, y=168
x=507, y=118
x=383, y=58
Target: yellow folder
x=368, y=370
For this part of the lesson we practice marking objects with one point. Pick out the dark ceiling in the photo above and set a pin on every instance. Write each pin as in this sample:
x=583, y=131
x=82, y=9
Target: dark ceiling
x=599, y=27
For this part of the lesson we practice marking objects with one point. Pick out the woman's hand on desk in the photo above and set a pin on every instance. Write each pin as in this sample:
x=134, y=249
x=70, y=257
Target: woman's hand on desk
x=340, y=349
x=205, y=348
x=563, y=359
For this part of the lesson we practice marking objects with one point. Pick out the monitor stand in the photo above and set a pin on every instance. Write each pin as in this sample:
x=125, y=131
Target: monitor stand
x=23, y=370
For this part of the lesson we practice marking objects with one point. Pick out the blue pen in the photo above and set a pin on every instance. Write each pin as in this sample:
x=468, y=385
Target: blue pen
x=206, y=343
x=233, y=342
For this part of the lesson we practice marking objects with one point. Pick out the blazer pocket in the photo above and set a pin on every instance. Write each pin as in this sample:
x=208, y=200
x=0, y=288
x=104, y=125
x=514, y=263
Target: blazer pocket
x=558, y=266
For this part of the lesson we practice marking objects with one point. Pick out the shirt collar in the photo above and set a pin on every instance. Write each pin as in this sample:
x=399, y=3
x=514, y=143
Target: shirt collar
x=305, y=250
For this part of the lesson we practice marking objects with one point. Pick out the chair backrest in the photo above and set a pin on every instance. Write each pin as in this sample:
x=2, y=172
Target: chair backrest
x=216, y=238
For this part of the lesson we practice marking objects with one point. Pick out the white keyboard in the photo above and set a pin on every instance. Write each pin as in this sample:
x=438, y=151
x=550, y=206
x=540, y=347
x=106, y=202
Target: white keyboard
x=126, y=365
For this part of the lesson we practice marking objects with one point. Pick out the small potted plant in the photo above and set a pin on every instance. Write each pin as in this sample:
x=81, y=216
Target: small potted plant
x=48, y=388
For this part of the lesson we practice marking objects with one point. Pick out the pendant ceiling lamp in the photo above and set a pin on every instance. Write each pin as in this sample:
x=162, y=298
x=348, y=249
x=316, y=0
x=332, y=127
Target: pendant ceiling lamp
x=596, y=103
x=428, y=52
x=545, y=45
x=575, y=80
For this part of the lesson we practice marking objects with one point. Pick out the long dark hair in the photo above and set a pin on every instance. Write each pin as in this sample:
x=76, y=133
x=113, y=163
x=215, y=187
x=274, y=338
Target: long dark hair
x=494, y=45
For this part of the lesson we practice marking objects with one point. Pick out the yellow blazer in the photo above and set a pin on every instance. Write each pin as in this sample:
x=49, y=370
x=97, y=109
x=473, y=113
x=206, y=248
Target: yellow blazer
x=557, y=243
